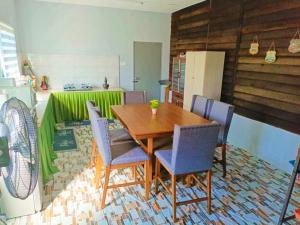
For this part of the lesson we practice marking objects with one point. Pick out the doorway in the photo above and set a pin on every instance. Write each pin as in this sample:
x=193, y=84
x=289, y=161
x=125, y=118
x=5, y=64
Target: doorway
x=147, y=68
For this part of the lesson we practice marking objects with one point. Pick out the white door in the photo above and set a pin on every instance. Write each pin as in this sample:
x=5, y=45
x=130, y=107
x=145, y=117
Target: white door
x=147, y=68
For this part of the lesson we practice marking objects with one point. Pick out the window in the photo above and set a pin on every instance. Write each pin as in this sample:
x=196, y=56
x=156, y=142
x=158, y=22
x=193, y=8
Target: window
x=8, y=55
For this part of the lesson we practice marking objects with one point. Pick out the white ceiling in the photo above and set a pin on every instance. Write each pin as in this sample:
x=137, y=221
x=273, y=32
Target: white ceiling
x=164, y=6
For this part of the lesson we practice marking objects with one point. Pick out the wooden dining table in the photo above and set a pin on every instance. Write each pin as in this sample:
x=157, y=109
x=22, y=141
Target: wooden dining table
x=142, y=124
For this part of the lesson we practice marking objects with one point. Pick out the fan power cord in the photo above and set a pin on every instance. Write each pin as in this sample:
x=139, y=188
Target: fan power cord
x=2, y=220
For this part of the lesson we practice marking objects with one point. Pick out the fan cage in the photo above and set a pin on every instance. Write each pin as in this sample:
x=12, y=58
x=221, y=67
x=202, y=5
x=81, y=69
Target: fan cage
x=21, y=175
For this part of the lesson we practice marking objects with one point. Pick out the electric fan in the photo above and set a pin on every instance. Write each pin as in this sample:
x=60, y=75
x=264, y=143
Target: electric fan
x=18, y=143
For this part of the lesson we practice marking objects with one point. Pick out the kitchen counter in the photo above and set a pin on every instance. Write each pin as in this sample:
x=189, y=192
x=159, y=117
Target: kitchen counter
x=57, y=106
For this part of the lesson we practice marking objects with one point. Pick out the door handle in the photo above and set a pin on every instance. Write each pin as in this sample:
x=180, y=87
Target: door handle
x=136, y=79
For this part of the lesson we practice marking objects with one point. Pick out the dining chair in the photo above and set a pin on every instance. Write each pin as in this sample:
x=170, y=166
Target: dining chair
x=89, y=105
x=140, y=97
x=92, y=104
x=135, y=97
x=200, y=105
x=222, y=113
x=120, y=134
x=116, y=135
x=118, y=156
x=192, y=152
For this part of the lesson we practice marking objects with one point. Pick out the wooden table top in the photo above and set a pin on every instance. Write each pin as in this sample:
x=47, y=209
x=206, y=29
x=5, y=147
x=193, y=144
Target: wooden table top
x=141, y=123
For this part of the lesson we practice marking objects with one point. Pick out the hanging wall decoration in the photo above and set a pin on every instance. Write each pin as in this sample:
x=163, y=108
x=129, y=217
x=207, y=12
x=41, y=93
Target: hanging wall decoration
x=254, y=46
x=295, y=43
x=271, y=53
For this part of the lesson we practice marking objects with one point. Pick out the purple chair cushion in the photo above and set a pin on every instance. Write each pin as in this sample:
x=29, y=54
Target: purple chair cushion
x=165, y=157
x=114, y=153
x=118, y=135
x=127, y=152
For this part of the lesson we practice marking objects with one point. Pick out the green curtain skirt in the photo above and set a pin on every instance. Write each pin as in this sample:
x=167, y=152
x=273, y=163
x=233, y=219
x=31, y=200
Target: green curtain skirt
x=68, y=106
x=45, y=140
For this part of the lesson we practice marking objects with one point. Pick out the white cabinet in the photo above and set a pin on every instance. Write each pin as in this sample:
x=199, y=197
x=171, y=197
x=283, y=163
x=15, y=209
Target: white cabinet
x=203, y=75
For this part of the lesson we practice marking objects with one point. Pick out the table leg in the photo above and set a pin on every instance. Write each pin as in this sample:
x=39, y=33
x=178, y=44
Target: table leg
x=150, y=154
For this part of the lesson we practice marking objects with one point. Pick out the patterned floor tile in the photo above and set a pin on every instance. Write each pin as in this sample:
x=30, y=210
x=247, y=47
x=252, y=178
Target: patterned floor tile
x=252, y=193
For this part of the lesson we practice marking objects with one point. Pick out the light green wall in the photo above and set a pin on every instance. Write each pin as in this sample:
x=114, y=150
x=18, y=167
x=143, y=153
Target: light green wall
x=272, y=144
x=52, y=28
x=8, y=17
x=8, y=12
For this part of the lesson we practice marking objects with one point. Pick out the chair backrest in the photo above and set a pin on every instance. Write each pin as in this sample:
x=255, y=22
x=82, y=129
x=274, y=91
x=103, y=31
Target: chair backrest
x=100, y=129
x=92, y=115
x=90, y=107
x=222, y=113
x=194, y=148
x=200, y=105
x=135, y=97
x=90, y=104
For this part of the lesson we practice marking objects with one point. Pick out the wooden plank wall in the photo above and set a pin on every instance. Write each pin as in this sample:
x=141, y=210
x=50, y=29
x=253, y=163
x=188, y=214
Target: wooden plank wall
x=266, y=92
x=224, y=33
x=269, y=92
x=189, y=30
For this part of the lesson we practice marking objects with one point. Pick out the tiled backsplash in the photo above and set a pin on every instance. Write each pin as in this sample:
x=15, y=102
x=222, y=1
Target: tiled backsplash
x=62, y=69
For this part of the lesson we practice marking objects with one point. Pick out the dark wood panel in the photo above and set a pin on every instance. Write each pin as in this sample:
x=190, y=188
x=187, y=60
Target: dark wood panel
x=192, y=41
x=224, y=35
x=266, y=92
x=289, y=98
x=277, y=25
x=283, y=15
x=194, y=18
x=279, y=43
x=193, y=25
x=263, y=7
x=253, y=4
x=262, y=52
x=278, y=78
x=197, y=9
x=291, y=126
x=271, y=35
x=221, y=46
x=292, y=61
x=288, y=107
x=278, y=87
x=270, y=68
x=291, y=117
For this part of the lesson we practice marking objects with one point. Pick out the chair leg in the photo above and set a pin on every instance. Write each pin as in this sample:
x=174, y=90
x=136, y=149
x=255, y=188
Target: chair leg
x=224, y=159
x=93, y=154
x=147, y=180
x=99, y=164
x=183, y=180
x=188, y=181
x=208, y=190
x=134, y=172
x=157, y=174
x=104, y=191
x=174, y=197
